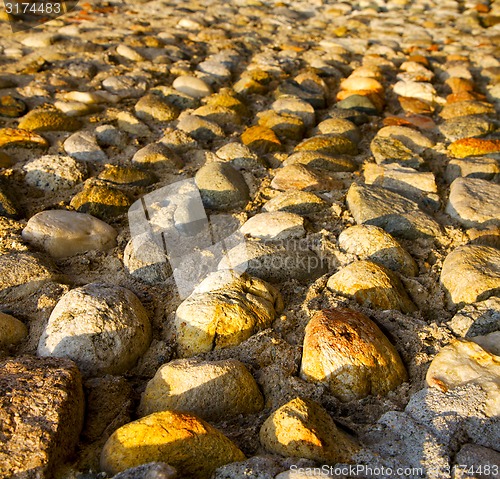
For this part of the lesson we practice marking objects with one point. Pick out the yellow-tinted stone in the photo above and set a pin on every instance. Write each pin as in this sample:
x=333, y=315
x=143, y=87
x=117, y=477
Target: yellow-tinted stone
x=362, y=83
x=329, y=144
x=285, y=126
x=101, y=201
x=5, y=160
x=302, y=428
x=221, y=115
x=48, y=120
x=261, y=139
x=12, y=331
x=473, y=147
x=15, y=136
x=227, y=100
x=180, y=439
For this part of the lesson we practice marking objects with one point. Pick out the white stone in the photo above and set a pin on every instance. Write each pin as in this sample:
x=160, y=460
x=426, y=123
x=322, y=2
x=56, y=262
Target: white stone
x=129, y=53
x=192, y=86
x=413, y=89
x=65, y=233
x=83, y=146
x=129, y=123
x=277, y=225
x=38, y=40
x=291, y=105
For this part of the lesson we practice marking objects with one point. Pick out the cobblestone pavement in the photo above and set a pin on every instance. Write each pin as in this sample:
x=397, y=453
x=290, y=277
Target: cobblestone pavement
x=338, y=308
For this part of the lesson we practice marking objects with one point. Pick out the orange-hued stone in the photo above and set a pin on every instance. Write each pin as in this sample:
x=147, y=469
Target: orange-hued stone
x=414, y=121
x=362, y=84
x=464, y=96
x=419, y=59
x=261, y=139
x=473, y=147
x=414, y=105
x=458, y=85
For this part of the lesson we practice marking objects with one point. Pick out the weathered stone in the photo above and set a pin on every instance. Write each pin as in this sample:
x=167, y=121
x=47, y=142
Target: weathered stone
x=477, y=319
x=16, y=136
x=285, y=126
x=152, y=107
x=11, y=107
x=180, y=439
x=65, y=233
x=192, y=86
x=299, y=202
x=103, y=328
x=302, y=428
x=329, y=144
x=223, y=116
x=412, y=89
x=221, y=186
x=215, y=317
x=466, y=108
x=240, y=156
x=41, y=415
x=321, y=161
x=125, y=86
x=371, y=284
x=481, y=167
x=295, y=106
x=48, y=120
x=299, y=177
x=101, y=201
x=127, y=176
x=7, y=204
x=151, y=470
x=361, y=83
x=392, y=150
x=466, y=127
x=471, y=273
x=484, y=457
x=394, y=213
x=12, y=331
x=346, y=351
x=199, y=128
x=339, y=126
x=473, y=147
x=360, y=103
x=474, y=202
x=129, y=53
x=128, y=123
x=213, y=390
x=83, y=146
x=410, y=137
x=373, y=243
x=278, y=225
x=157, y=155
x=463, y=362
x=261, y=139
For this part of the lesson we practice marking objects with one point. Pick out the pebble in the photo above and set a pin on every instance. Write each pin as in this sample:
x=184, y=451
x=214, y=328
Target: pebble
x=410, y=137
x=12, y=331
x=48, y=120
x=221, y=186
x=392, y=150
x=12, y=107
x=152, y=107
x=175, y=98
x=466, y=147
x=471, y=273
x=212, y=390
x=341, y=127
x=101, y=201
x=372, y=243
x=329, y=145
x=371, y=284
x=38, y=40
x=75, y=108
x=301, y=177
x=223, y=116
x=274, y=226
x=285, y=126
x=474, y=202
x=129, y=53
x=261, y=139
x=466, y=108
x=7, y=205
x=83, y=146
x=362, y=83
x=394, y=213
x=415, y=106
x=477, y=319
x=130, y=124
x=16, y=136
x=321, y=161
x=127, y=176
x=125, y=86
x=108, y=135
x=481, y=167
x=275, y=262
x=224, y=315
x=103, y=328
x=463, y=362
x=192, y=86
x=54, y=172
x=359, y=103
x=182, y=440
x=157, y=155
x=302, y=428
x=47, y=394
x=466, y=127
x=347, y=352
x=240, y=156
x=412, y=89
x=290, y=105
x=298, y=202
x=151, y=470
x=199, y=128
x=63, y=233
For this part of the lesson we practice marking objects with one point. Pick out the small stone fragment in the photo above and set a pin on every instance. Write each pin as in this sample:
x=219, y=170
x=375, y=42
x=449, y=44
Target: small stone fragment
x=11, y=107
x=466, y=127
x=127, y=176
x=103, y=328
x=12, y=331
x=151, y=470
x=296, y=201
x=481, y=167
x=392, y=150
x=130, y=124
x=213, y=390
x=290, y=105
x=65, y=233
x=302, y=428
x=329, y=144
x=346, y=351
x=466, y=108
x=285, y=126
x=180, y=439
x=240, y=156
x=410, y=137
x=278, y=225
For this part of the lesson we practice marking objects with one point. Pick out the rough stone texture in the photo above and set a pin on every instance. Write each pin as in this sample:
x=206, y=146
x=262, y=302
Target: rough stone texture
x=477, y=319
x=152, y=107
x=346, y=351
x=474, y=202
x=103, y=328
x=315, y=159
x=103, y=202
x=300, y=177
x=394, y=213
x=65, y=233
x=83, y=146
x=261, y=139
x=481, y=167
x=223, y=311
x=212, y=390
x=221, y=186
x=302, y=428
x=298, y=202
x=392, y=150
x=411, y=138
x=465, y=127
x=471, y=273
x=41, y=415
x=157, y=155
x=295, y=106
x=465, y=362
x=12, y=331
x=373, y=243
x=48, y=120
x=181, y=440
x=152, y=470
x=473, y=147
x=329, y=145
x=278, y=225
x=371, y=284
x=257, y=467
x=240, y=156
x=478, y=461
x=127, y=176
x=200, y=128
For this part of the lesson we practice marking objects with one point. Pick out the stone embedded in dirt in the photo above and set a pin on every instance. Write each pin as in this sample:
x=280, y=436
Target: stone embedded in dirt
x=277, y=225
x=347, y=352
x=41, y=415
x=481, y=167
x=11, y=107
x=302, y=428
x=129, y=123
x=360, y=103
x=127, y=176
x=261, y=139
x=103, y=328
x=48, y=120
x=224, y=310
x=125, y=86
x=415, y=106
x=392, y=150
x=410, y=137
x=374, y=244
x=54, y=172
x=296, y=176
x=275, y=262
x=221, y=186
x=474, y=202
x=285, y=126
x=329, y=145
x=129, y=53
x=256, y=467
x=109, y=135
x=471, y=273
x=466, y=147
x=152, y=107
x=151, y=470
x=240, y=156
x=466, y=108
x=488, y=459
x=200, y=128
x=296, y=201
x=213, y=390
x=419, y=90
x=371, y=284
x=222, y=115
x=394, y=213
x=466, y=127
x=462, y=362
x=12, y=331
x=8, y=207
x=192, y=86
x=339, y=126
x=83, y=146
x=477, y=319
x=292, y=105
x=65, y=233
x=104, y=202
x=157, y=155
x=321, y=161
x=361, y=83
x=180, y=439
